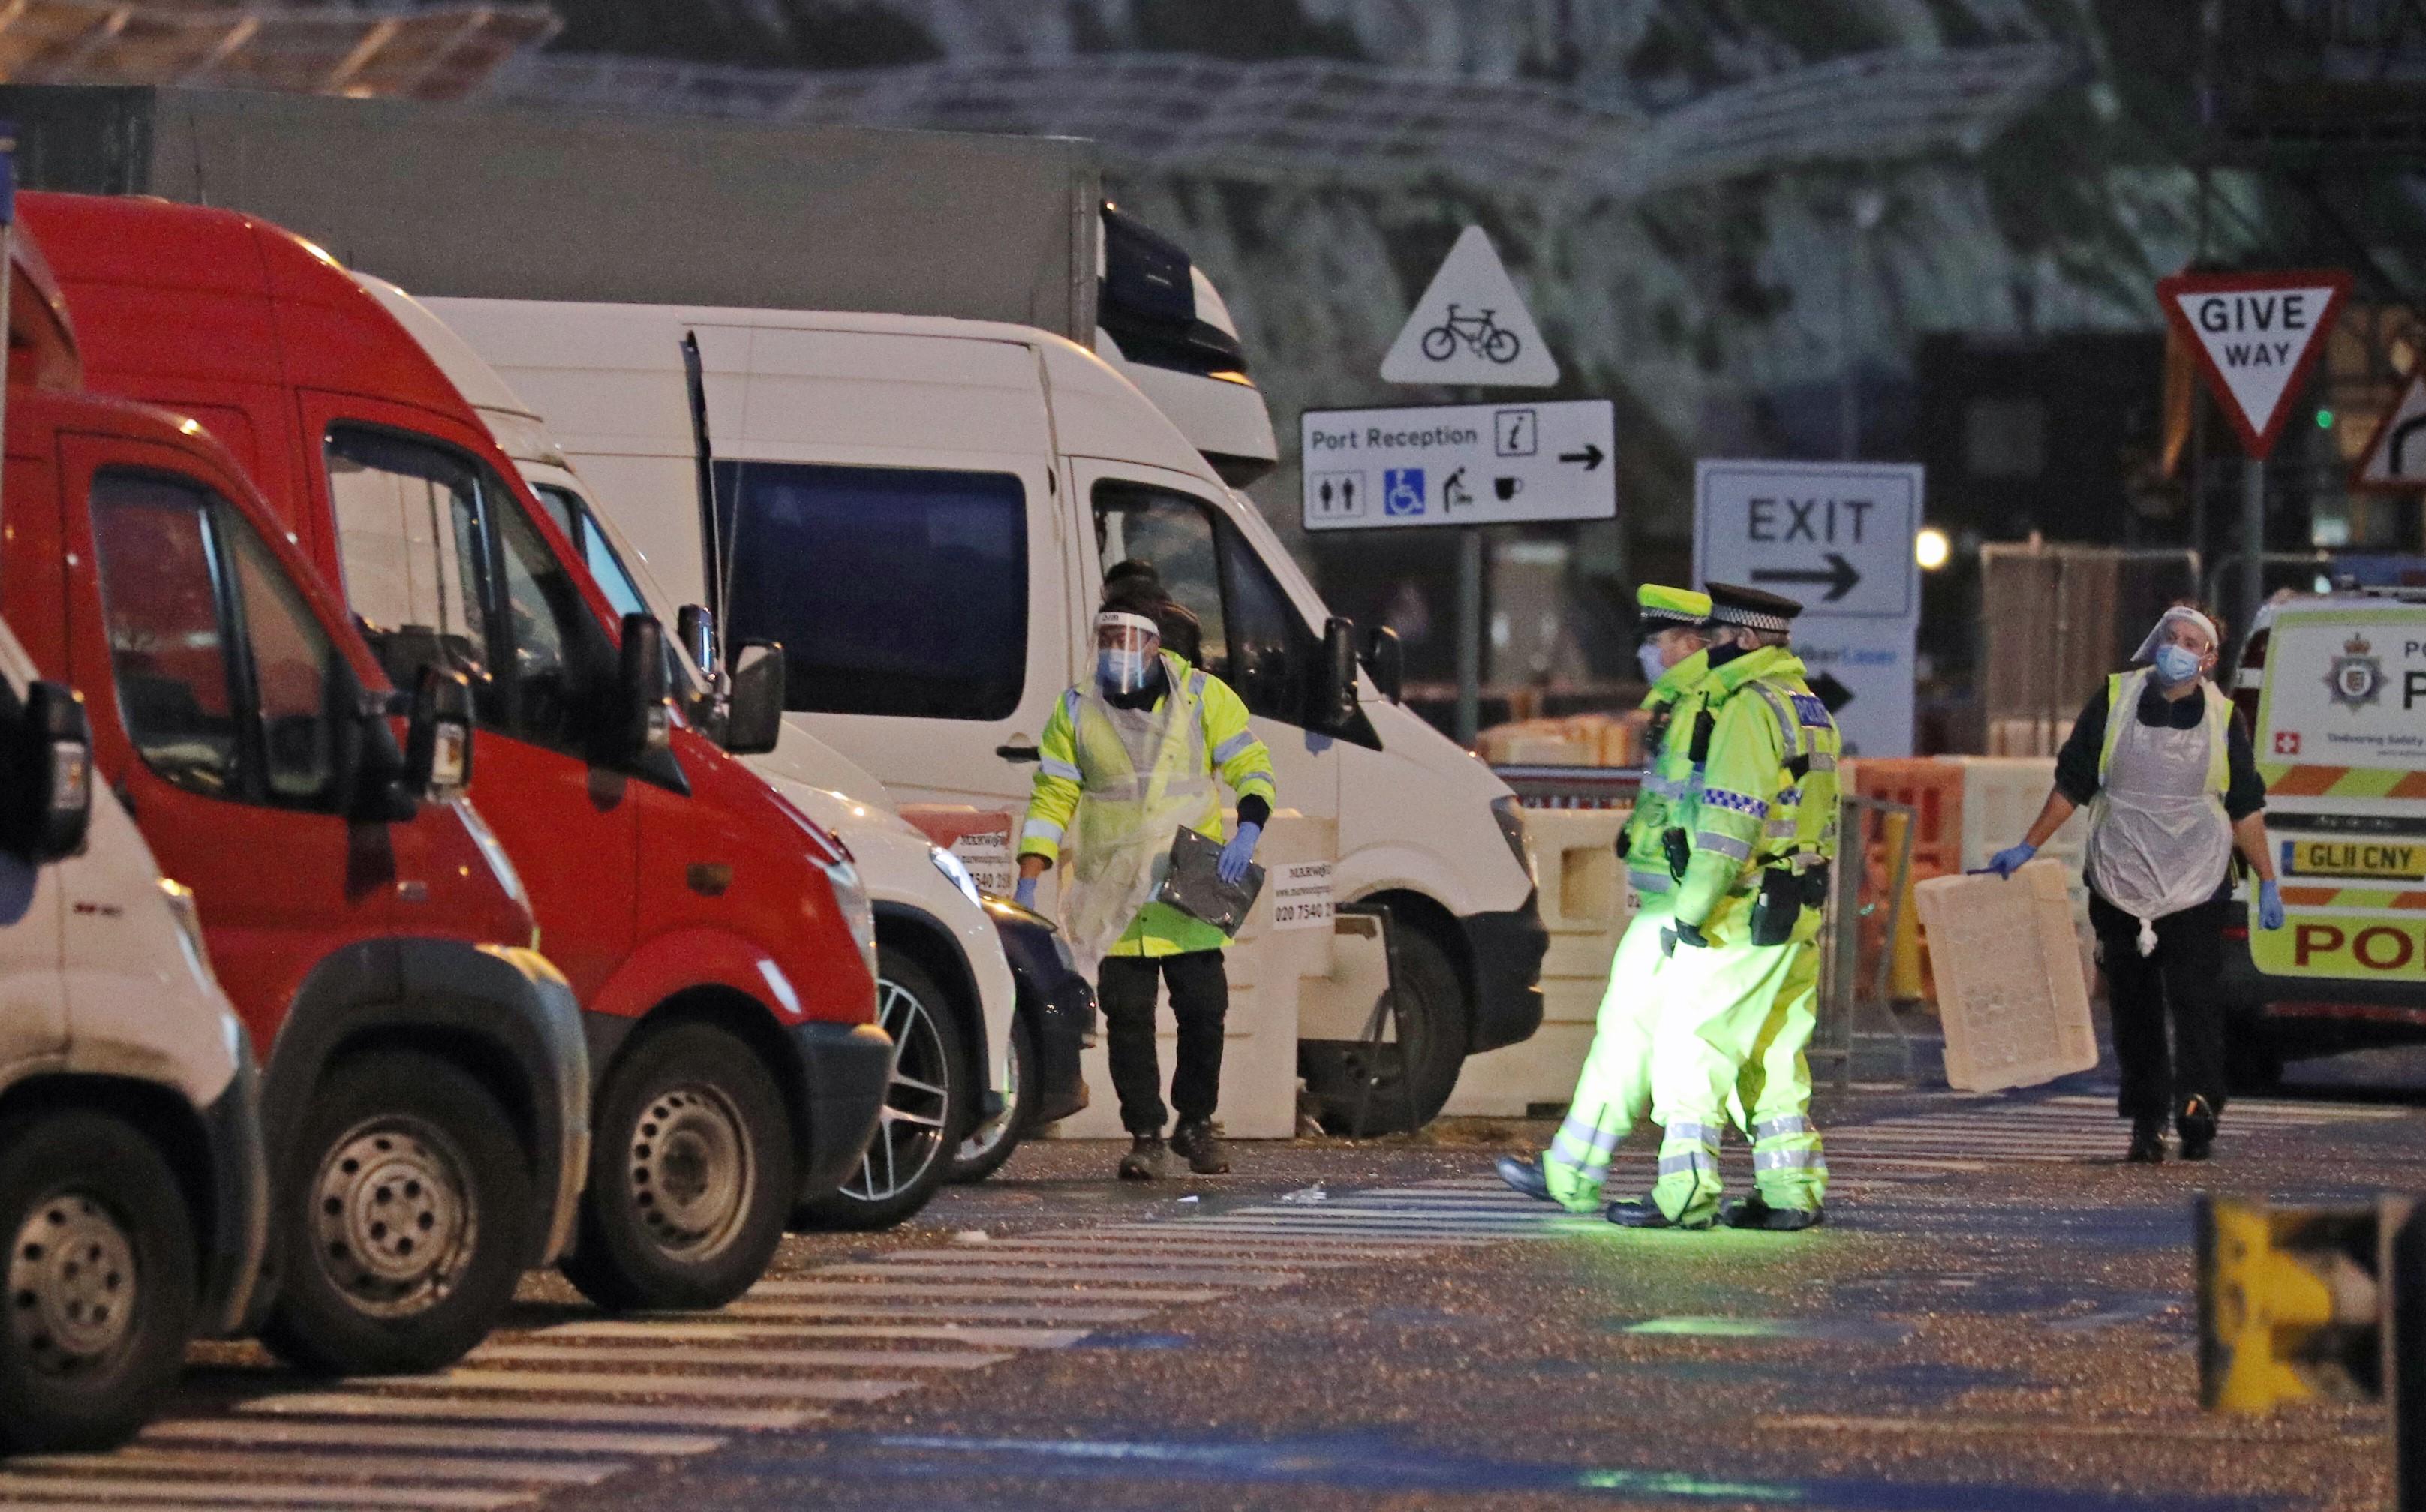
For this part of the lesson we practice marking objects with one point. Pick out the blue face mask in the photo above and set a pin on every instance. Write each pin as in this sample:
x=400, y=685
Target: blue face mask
x=1653, y=665
x=1121, y=671
x=2175, y=664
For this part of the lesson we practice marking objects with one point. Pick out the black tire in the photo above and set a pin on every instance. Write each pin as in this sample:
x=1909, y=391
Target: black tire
x=2253, y=1062
x=991, y=1142
x=925, y=1106
x=362, y=1292
x=100, y=1278
x=690, y=1174
x=1432, y=1020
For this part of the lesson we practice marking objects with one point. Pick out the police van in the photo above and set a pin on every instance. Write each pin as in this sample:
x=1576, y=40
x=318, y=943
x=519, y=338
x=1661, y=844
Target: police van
x=2334, y=686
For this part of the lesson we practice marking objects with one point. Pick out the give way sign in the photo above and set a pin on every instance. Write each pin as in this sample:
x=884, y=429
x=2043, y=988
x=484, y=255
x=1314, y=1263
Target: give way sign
x=2256, y=335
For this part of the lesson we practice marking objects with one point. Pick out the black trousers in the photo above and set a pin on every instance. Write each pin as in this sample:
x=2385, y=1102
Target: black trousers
x=1200, y=998
x=2180, y=981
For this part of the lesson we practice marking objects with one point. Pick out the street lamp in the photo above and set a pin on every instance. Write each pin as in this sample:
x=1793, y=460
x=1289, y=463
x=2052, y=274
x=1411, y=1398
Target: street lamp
x=1930, y=548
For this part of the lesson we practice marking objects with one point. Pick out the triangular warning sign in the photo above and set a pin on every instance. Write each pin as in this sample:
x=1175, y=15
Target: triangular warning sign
x=2256, y=335
x=2395, y=459
x=1471, y=326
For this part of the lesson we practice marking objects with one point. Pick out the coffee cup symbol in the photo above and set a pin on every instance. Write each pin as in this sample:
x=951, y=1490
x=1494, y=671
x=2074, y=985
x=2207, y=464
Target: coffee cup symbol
x=1507, y=488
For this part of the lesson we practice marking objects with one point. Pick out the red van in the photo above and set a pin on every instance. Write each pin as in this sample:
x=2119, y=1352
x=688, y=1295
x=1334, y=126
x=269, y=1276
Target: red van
x=426, y=1083
x=718, y=942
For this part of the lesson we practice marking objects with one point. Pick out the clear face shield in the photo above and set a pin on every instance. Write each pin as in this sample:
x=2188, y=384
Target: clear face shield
x=1126, y=647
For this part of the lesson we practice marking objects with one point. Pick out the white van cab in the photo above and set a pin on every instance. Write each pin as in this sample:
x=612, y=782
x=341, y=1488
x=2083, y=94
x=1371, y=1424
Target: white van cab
x=133, y=1189
x=945, y=991
x=921, y=511
x=2334, y=686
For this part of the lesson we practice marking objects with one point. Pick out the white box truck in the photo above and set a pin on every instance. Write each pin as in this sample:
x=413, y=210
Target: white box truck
x=921, y=510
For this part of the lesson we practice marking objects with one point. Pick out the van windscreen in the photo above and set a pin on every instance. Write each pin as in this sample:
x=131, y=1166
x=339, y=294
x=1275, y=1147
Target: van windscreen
x=894, y=590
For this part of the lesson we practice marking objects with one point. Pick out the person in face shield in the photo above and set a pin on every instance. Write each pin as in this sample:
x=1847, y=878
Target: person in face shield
x=2164, y=766
x=1129, y=757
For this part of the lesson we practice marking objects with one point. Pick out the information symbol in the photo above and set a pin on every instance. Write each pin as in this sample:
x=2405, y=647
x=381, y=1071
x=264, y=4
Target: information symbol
x=1515, y=432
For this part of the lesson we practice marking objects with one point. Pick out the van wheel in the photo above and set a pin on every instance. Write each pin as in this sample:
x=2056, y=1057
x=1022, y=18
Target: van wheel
x=100, y=1281
x=690, y=1175
x=925, y=1106
x=2253, y=1062
x=990, y=1143
x=1348, y=1080
x=406, y=1219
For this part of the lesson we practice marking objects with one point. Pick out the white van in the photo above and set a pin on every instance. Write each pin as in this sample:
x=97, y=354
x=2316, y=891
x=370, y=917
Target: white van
x=130, y=1127
x=921, y=511
x=945, y=991
x=2334, y=686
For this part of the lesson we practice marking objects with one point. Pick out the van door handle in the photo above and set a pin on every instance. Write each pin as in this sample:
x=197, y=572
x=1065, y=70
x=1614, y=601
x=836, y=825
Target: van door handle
x=1019, y=753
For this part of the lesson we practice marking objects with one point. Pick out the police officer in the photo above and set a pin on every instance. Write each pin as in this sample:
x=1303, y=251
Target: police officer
x=1614, y=1091
x=1741, y=983
x=1129, y=756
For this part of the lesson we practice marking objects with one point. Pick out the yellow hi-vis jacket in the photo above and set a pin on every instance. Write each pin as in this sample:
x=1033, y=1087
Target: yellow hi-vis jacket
x=1089, y=776
x=2123, y=692
x=1769, y=790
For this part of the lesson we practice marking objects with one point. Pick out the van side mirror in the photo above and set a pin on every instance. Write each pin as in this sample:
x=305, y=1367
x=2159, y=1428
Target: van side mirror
x=1385, y=663
x=49, y=803
x=697, y=633
x=754, y=716
x=1338, y=685
x=438, y=736
x=643, y=712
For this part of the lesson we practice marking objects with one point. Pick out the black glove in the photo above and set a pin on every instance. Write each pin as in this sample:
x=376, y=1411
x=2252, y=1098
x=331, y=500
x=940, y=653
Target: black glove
x=1681, y=934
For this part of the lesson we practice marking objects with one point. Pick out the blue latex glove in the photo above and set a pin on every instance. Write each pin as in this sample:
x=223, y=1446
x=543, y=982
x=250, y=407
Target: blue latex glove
x=2007, y=861
x=1024, y=893
x=1237, y=853
x=2270, y=904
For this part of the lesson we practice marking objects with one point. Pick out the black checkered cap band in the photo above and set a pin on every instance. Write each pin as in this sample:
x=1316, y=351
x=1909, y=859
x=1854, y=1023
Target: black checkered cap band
x=1728, y=613
x=1667, y=617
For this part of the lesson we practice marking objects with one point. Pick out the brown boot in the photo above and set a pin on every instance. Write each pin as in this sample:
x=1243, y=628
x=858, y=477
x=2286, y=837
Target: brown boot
x=1144, y=1161
x=1194, y=1142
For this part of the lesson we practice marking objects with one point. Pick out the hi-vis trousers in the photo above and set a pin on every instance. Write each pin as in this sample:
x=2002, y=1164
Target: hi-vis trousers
x=1613, y=1093
x=1735, y=1022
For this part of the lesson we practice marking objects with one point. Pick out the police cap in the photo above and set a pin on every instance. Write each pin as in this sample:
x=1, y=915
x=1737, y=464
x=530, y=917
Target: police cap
x=1752, y=608
x=1661, y=607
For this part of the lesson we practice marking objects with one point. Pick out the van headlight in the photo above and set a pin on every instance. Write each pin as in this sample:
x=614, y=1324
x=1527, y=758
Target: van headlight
x=858, y=913
x=956, y=872
x=190, y=925
x=1509, y=814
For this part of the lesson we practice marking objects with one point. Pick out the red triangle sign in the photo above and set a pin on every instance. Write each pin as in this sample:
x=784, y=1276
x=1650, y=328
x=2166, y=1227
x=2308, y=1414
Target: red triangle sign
x=2256, y=335
x=2395, y=459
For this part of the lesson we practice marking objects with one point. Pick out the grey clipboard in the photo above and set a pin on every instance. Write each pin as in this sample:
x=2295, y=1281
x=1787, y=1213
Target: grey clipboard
x=1194, y=884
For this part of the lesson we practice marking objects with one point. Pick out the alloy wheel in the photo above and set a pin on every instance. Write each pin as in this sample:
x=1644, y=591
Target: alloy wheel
x=917, y=1099
x=982, y=1141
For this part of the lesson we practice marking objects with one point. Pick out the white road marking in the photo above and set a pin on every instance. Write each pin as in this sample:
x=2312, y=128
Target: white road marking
x=120, y=1491
x=720, y=1389
x=868, y=1290
x=709, y=1355
x=913, y=1307
x=620, y=1414
x=979, y=1337
x=148, y=1459
x=271, y=1430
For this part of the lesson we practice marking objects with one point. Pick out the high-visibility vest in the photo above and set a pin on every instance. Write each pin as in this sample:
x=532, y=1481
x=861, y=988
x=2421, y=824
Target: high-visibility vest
x=2122, y=694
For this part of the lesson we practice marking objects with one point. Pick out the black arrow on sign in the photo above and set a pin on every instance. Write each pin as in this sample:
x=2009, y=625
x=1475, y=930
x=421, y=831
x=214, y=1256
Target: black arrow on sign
x=1842, y=576
x=1590, y=457
x=1834, y=694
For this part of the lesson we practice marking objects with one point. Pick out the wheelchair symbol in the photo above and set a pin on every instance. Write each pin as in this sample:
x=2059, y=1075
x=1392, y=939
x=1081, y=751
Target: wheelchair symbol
x=1403, y=490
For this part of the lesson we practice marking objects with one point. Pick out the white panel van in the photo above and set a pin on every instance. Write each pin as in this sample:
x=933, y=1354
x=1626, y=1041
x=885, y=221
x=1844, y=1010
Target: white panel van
x=921, y=511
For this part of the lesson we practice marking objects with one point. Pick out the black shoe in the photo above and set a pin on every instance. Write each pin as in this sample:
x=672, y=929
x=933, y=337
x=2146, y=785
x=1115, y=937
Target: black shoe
x=1524, y=1175
x=1642, y=1213
x=2196, y=1125
x=2147, y=1141
x=1756, y=1213
x=1194, y=1142
x=1145, y=1160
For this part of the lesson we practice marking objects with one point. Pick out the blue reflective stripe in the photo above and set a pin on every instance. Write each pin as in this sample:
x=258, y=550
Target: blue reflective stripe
x=1772, y=1160
x=1064, y=770
x=1041, y=829
x=1718, y=844
x=1784, y=1123
x=1231, y=746
x=1720, y=797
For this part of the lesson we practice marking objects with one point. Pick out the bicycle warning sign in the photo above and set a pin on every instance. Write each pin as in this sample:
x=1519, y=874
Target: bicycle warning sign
x=1471, y=326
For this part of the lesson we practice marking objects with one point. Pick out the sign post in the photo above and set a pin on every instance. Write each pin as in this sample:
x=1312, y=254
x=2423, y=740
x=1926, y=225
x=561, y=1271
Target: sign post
x=1837, y=536
x=2256, y=336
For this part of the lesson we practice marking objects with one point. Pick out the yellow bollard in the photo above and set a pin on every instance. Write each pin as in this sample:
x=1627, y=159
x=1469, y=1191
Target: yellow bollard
x=2289, y=1304
x=1906, y=982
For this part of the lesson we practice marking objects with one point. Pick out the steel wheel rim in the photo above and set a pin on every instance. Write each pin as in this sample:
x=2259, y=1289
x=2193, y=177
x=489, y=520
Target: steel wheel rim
x=693, y=1170
x=393, y=1216
x=73, y=1285
x=982, y=1142
x=917, y=1099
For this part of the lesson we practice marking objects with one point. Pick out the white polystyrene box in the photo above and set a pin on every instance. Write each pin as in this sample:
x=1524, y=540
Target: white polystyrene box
x=2011, y=990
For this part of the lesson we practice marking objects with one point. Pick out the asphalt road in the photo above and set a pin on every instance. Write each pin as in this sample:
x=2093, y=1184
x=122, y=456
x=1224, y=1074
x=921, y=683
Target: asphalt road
x=1997, y=1316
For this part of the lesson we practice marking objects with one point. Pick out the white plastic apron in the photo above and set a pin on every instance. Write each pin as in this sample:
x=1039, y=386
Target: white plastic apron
x=2158, y=841
x=1146, y=777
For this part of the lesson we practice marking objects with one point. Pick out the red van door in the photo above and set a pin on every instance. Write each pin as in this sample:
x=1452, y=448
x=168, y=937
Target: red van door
x=440, y=563
x=226, y=686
